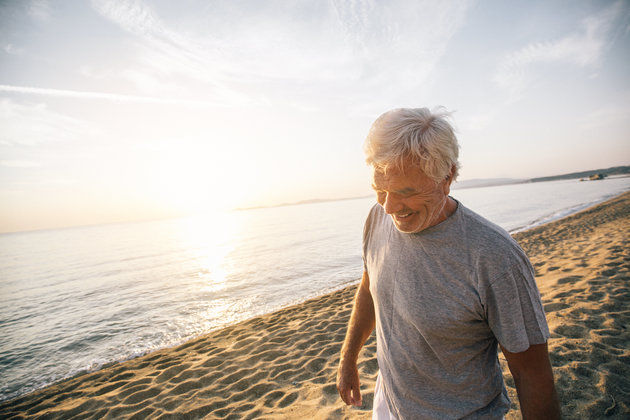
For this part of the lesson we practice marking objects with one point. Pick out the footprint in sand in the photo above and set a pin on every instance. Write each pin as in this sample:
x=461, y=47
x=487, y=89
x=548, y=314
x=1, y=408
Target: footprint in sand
x=571, y=331
x=569, y=279
x=554, y=306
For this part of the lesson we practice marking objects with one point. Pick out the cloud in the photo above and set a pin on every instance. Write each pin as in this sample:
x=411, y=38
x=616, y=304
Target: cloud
x=165, y=51
x=584, y=48
x=414, y=34
x=100, y=95
x=13, y=50
x=39, y=10
x=239, y=54
x=24, y=125
x=19, y=164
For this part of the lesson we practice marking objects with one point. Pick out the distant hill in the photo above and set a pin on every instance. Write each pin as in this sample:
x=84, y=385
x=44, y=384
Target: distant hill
x=487, y=182
x=617, y=170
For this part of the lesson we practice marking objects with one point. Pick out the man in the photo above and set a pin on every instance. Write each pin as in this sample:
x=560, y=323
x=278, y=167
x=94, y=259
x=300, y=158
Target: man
x=443, y=287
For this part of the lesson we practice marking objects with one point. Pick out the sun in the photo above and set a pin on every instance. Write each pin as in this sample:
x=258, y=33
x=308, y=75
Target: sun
x=190, y=181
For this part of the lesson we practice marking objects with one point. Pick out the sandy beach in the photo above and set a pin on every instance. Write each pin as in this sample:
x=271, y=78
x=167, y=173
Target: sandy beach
x=283, y=365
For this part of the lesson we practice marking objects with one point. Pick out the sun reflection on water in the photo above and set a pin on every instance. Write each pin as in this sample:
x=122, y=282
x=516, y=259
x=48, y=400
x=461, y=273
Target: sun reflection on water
x=210, y=239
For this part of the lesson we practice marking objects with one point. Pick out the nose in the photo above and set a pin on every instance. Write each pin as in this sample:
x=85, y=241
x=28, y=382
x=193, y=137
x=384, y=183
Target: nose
x=392, y=204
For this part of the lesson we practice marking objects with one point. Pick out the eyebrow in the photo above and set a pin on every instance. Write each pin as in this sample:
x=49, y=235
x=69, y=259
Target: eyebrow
x=407, y=190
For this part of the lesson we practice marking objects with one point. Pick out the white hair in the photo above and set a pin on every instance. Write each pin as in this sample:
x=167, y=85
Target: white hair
x=414, y=134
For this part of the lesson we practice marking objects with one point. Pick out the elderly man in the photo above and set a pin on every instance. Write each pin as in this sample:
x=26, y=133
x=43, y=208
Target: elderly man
x=443, y=287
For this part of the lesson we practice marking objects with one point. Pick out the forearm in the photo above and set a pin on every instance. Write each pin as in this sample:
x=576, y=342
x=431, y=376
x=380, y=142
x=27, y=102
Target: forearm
x=362, y=322
x=538, y=399
x=533, y=377
x=360, y=327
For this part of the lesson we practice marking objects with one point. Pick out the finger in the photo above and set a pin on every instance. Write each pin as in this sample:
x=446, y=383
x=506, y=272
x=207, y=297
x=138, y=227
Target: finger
x=351, y=395
x=348, y=386
x=346, y=393
x=357, y=400
x=346, y=397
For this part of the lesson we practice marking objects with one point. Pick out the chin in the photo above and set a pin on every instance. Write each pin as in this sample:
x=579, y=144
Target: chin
x=408, y=227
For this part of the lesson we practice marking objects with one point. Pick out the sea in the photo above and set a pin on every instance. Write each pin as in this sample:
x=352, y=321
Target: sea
x=73, y=300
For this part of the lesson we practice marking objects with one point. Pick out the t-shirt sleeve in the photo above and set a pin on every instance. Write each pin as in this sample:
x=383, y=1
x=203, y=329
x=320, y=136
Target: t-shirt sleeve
x=367, y=230
x=514, y=309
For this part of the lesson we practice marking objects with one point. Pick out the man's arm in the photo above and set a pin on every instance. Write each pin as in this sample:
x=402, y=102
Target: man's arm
x=362, y=322
x=533, y=377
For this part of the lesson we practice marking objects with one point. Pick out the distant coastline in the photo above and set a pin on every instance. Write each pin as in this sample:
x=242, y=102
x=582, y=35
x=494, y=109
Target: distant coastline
x=474, y=183
x=493, y=182
x=616, y=170
x=299, y=203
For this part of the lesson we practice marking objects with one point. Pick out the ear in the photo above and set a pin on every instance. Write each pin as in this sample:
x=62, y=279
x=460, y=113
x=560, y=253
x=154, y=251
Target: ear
x=448, y=180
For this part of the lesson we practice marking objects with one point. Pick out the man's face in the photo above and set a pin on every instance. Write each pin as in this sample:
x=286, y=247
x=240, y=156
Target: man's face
x=413, y=200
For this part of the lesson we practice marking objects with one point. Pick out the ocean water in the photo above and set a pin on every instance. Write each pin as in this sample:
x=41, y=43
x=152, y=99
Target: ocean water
x=74, y=299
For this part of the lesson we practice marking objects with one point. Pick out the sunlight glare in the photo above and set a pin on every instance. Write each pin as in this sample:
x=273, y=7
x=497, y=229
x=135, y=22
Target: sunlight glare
x=211, y=238
x=192, y=180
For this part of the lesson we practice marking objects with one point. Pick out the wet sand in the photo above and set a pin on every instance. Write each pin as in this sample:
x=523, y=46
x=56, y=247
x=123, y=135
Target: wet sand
x=283, y=365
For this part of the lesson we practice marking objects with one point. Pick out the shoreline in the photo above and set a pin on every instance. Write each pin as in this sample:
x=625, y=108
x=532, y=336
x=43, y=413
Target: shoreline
x=562, y=214
x=283, y=364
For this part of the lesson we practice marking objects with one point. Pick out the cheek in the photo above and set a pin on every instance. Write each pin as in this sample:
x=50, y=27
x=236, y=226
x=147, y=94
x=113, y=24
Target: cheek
x=426, y=205
x=422, y=205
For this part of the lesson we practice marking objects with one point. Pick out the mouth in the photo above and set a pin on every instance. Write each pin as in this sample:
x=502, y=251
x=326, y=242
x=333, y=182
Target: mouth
x=402, y=216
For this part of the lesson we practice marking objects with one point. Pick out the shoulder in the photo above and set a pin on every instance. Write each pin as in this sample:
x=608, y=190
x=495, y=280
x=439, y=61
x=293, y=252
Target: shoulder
x=376, y=224
x=493, y=249
x=375, y=211
x=483, y=232
x=375, y=216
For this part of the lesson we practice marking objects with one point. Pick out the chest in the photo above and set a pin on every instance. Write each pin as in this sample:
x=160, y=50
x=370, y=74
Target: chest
x=426, y=291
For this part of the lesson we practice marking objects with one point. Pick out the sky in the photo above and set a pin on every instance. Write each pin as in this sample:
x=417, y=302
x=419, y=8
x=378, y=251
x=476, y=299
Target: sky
x=129, y=110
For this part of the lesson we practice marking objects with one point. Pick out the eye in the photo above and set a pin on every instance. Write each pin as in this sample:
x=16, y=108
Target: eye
x=408, y=193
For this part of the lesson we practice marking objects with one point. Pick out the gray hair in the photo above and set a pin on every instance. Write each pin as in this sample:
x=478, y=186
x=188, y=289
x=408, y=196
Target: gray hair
x=425, y=137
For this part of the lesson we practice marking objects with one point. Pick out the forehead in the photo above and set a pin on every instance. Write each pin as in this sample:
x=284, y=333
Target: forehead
x=409, y=176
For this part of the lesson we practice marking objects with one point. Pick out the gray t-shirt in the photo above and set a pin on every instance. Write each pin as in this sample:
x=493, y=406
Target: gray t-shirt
x=443, y=299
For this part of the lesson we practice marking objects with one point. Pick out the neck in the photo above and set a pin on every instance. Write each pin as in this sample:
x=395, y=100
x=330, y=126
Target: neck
x=448, y=208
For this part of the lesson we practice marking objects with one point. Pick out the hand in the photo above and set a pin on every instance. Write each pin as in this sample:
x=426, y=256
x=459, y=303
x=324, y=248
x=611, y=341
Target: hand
x=348, y=383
